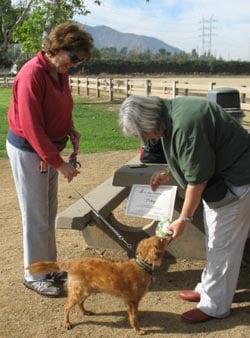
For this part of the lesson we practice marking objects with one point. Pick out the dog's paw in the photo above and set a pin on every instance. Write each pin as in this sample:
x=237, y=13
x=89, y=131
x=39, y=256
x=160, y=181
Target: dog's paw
x=68, y=326
x=140, y=332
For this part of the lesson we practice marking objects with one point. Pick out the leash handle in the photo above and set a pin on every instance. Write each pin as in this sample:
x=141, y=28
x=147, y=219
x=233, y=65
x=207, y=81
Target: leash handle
x=74, y=163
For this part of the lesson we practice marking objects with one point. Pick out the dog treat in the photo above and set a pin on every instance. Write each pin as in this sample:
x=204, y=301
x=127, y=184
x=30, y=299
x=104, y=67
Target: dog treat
x=162, y=229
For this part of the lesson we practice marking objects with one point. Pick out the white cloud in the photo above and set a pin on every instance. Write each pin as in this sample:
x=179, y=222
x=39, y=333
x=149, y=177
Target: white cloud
x=178, y=22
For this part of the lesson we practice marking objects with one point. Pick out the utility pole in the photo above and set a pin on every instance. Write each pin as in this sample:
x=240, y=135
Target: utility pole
x=207, y=34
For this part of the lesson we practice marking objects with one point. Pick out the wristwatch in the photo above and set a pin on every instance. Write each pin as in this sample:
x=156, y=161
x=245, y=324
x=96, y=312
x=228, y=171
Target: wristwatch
x=186, y=219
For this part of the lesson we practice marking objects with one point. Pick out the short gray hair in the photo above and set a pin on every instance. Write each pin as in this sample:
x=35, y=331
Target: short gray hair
x=140, y=114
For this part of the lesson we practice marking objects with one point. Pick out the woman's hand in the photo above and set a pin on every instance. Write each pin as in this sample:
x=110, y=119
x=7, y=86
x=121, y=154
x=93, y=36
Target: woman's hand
x=191, y=202
x=68, y=171
x=159, y=178
x=177, y=227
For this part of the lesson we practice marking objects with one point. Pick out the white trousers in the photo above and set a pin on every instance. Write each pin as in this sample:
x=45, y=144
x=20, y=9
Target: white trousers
x=37, y=196
x=226, y=231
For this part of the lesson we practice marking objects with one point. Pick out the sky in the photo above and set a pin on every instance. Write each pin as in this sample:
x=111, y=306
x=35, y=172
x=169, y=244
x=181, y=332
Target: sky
x=180, y=23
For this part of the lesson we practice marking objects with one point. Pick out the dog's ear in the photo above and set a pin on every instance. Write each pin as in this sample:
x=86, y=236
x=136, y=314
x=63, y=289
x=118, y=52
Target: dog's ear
x=142, y=248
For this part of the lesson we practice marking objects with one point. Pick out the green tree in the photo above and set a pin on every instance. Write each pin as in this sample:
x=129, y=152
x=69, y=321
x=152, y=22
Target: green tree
x=10, y=18
x=30, y=20
x=123, y=52
x=194, y=54
x=109, y=53
x=43, y=16
x=162, y=55
x=96, y=54
x=162, y=52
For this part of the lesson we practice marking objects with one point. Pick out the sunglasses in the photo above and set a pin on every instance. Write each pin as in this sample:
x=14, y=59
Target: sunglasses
x=74, y=58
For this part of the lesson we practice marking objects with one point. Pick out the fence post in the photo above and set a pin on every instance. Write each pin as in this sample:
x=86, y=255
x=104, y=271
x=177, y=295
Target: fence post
x=87, y=86
x=165, y=89
x=175, y=91
x=97, y=88
x=78, y=86
x=131, y=86
x=110, y=82
x=243, y=96
x=147, y=87
x=186, y=90
x=211, y=85
x=127, y=84
x=70, y=87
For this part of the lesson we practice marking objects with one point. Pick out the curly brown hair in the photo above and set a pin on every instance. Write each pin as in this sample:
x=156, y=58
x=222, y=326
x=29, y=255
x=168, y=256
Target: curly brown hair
x=70, y=37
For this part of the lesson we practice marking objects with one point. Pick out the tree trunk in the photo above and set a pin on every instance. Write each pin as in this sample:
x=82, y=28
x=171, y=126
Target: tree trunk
x=7, y=33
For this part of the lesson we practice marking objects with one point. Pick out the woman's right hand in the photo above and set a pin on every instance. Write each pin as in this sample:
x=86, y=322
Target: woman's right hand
x=68, y=171
x=159, y=178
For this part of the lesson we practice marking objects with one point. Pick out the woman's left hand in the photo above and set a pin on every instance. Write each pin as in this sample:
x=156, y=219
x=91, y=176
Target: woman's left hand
x=68, y=171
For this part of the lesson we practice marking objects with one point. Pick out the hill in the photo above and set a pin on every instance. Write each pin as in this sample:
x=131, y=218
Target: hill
x=108, y=37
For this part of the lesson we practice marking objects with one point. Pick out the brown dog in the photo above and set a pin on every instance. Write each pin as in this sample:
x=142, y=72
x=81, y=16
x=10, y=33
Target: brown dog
x=128, y=279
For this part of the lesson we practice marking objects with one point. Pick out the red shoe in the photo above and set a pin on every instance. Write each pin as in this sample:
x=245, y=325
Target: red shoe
x=195, y=316
x=190, y=295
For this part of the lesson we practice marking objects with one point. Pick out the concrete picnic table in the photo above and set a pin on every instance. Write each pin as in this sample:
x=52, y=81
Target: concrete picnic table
x=108, y=196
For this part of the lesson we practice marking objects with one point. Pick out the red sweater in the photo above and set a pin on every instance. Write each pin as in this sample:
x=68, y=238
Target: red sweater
x=41, y=109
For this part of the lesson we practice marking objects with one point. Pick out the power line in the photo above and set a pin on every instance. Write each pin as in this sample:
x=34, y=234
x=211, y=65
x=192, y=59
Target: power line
x=207, y=29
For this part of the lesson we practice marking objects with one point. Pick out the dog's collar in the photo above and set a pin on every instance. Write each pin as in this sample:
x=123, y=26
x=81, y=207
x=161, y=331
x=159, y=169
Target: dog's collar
x=145, y=266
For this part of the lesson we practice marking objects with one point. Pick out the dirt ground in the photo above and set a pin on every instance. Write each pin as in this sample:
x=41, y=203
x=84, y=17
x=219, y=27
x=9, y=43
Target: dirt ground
x=25, y=314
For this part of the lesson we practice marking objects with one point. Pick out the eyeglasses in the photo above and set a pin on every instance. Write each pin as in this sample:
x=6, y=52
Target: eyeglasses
x=74, y=58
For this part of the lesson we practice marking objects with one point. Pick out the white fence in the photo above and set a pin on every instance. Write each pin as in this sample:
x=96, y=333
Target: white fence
x=6, y=81
x=119, y=88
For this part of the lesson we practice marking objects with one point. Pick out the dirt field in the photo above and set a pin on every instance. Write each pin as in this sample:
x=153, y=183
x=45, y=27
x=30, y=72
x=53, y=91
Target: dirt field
x=220, y=80
x=25, y=314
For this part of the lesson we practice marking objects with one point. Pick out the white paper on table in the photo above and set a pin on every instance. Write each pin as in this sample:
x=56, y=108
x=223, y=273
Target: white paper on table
x=157, y=205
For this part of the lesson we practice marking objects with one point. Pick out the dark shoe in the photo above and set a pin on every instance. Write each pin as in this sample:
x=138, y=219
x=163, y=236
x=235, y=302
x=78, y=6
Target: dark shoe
x=58, y=277
x=190, y=295
x=44, y=287
x=195, y=316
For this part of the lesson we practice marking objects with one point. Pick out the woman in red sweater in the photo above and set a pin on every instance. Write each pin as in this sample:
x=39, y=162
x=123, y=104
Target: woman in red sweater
x=40, y=122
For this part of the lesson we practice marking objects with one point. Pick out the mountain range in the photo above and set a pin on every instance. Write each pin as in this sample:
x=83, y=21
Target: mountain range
x=105, y=36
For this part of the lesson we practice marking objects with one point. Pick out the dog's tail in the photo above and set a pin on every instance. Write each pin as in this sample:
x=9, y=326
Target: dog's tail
x=48, y=266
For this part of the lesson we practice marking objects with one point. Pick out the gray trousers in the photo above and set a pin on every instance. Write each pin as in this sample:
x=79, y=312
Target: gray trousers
x=226, y=229
x=37, y=196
